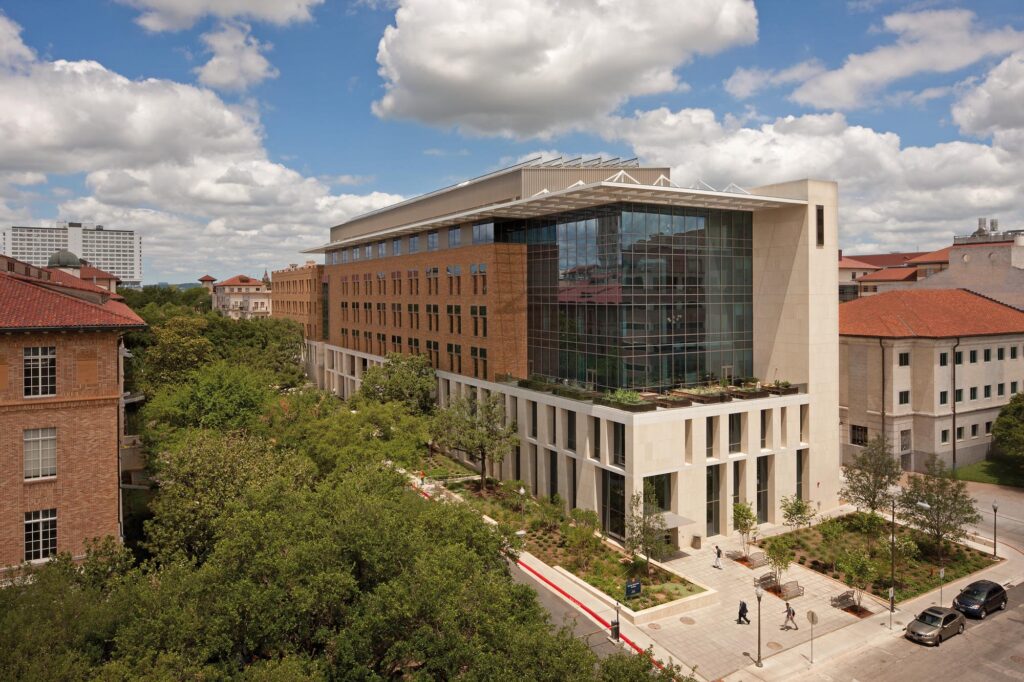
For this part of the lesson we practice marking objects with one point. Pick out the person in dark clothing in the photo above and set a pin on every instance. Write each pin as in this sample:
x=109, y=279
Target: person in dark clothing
x=743, y=614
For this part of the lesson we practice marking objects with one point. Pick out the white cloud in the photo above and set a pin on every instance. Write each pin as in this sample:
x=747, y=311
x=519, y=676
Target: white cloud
x=997, y=104
x=892, y=196
x=172, y=160
x=745, y=83
x=12, y=50
x=238, y=62
x=174, y=15
x=940, y=41
x=537, y=68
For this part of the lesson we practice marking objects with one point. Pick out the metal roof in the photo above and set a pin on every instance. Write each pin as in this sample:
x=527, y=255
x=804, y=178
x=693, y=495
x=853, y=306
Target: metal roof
x=577, y=197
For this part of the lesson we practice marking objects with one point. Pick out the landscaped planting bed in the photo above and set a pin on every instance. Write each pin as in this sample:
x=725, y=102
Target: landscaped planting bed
x=914, y=576
x=442, y=467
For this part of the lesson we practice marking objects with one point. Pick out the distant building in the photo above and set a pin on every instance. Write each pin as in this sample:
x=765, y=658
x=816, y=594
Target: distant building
x=849, y=270
x=296, y=295
x=242, y=297
x=928, y=368
x=889, y=279
x=118, y=252
x=61, y=406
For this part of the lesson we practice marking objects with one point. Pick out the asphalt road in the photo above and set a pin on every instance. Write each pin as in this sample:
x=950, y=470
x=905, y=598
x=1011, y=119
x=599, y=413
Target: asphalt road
x=991, y=650
x=563, y=613
x=1010, y=523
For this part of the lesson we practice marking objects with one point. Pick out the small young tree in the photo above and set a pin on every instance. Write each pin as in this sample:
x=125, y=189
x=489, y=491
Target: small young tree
x=938, y=504
x=645, y=526
x=873, y=473
x=581, y=537
x=859, y=570
x=904, y=551
x=831, y=531
x=408, y=379
x=797, y=513
x=745, y=521
x=477, y=428
x=780, y=554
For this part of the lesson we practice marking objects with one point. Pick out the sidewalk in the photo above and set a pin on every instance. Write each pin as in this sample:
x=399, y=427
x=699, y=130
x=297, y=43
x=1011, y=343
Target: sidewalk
x=795, y=663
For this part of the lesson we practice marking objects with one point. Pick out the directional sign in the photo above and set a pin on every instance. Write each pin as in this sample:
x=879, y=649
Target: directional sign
x=633, y=589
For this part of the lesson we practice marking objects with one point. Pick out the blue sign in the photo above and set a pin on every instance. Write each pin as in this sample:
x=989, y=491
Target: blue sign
x=633, y=589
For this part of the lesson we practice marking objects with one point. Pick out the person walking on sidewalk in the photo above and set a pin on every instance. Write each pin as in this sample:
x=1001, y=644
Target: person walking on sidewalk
x=718, y=557
x=790, y=618
x=743, y=614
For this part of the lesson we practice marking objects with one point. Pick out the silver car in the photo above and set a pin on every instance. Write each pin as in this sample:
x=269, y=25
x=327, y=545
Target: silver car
x=935, y=624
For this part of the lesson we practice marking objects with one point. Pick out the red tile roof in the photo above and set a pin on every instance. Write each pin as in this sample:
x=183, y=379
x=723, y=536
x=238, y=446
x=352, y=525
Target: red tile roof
x=942, y=255
x=854, y=264
x=890, y=275
x=88, y=272
x=68, y=280
x=928, y=313
x=28, y=303
x=888, y=260
x=240, y=281
x=207, y=278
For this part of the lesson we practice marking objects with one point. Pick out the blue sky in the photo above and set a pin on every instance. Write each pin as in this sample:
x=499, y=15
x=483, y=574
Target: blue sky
x=233, y=139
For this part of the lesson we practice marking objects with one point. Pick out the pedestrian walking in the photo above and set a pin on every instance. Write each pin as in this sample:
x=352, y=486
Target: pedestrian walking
x=790, y=618
x=718, y=557
x=743, y=614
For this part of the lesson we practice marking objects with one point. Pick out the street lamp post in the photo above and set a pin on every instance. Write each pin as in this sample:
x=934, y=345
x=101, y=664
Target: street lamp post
x=892, y=569
x=522, y=504
x=995, y=515
x=759, y=593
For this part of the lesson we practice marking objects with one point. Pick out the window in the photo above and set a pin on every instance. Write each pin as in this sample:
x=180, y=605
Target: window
x=858, y=435
x=987, y=392
x=904, y=397
x=618, y=444
x=570, y=430
x=761, y=489
x=905, y=440
x=479, y=315
x=382, y=249
x=944, y=436
x=368, y=251
x=958, y=357
x=1013, y=352
x=974, y=392
x=479, y=356
x=958, y=395
x=735, y=432
x=943, y=359
x=396, y=247
x=974, y=430
x=959, y=433
x=943, y=397
x=710, y=431
x=40, y=449
x=454, y=236
x=454, y=280
x=433, y=352
x=533, y=419
x=552, y=473
x=987, y=354
x=455, y=357
x=454, y=319
x=1013, y=388
x=595, y=429
x=414, y=243
x=765, y=428
x=988, y=428
x=904, y=359
x=974, y=356
x=40, y=534
x=1000, y=389
x=483, y=233
x=40, y=371
x=1000, y=353
x=819, y=215
x=432, y=241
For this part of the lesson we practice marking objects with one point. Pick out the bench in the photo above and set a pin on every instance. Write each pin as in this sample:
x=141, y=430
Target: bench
x=792, y=589
x=757, y=560
x=767, y=581
x=845, y=600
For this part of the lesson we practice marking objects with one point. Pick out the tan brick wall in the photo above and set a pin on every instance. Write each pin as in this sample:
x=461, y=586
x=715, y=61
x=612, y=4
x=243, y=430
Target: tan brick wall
x=85, y=413
x=505, y=300
x=296, y=296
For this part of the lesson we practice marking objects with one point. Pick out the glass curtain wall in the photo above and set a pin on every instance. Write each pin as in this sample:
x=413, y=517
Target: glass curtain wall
x=638, y=296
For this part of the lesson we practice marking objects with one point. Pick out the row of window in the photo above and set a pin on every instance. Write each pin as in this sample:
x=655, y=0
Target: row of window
x=368, y=342
x=483, y=233
x=975, y=432
x=378, y=314
x=972, y=356
x=973, y=392
x=859, y=435
x=350, y=284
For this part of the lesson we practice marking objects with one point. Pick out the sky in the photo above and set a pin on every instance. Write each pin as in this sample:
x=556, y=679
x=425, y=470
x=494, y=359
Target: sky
x=233, y=133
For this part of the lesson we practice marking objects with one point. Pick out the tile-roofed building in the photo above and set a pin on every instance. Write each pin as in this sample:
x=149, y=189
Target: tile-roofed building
x=242, y=297
x=929, y=369
x=889, y=260
x=849, y=270
x=61, y=407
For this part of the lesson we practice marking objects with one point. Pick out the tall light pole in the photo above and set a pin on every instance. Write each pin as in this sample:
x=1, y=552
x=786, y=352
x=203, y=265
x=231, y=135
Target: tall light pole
x=995, y=515
x=892, y=569
x=522, y=504
x=759, y=593
x=942, y=567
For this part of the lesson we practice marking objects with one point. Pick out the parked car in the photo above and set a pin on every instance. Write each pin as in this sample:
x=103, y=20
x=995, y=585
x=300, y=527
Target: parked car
x=935, y=624
x=980, y=598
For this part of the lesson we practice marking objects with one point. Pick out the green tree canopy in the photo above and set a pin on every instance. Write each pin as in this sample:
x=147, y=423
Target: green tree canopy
x=1008, y=429
x=871, y=476
x=938, y=504
x=478, y=428
x=406, y=379
x=178, y=348
x=796, y=512
x=745, y=521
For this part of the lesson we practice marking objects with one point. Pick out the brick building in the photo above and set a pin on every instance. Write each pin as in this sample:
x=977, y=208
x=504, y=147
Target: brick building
x=61, y=378
x=296, y=294
x=604, y=275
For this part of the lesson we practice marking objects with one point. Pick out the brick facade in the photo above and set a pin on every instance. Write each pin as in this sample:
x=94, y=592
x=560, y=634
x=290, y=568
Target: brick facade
x=86, y=415
x=295, y=295
x=403, y=281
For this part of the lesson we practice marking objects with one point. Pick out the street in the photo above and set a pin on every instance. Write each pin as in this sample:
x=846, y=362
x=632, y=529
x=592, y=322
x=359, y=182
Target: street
x=1010, y=527
x=988, y=651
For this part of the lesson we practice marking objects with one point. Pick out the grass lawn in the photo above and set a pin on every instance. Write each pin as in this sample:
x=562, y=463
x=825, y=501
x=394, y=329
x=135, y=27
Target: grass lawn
x=1001, y=471
x=442, y=467
x=913, y=577
x=608, y=569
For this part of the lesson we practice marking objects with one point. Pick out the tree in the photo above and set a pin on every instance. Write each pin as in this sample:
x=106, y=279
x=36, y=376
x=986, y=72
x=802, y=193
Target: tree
x=645, y=526
x=950, y=508
x=902, y=553
x=581, y=537
x=859, y=569
x=797, y=513
x=872, y=475
x=1008, y=429
x=478, y=428
x=745, y=521
x=179, y=348
x=408, y=379
x=779, y=553
x=831, y=531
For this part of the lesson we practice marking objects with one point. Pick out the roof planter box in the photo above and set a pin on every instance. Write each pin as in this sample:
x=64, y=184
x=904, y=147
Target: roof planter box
x=670, y=401
x=642, y=406
x=705, y=395
x=748, y=393
x=782, y=388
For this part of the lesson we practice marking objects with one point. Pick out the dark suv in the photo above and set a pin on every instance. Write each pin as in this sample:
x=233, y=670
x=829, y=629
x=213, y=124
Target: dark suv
x=980, y=598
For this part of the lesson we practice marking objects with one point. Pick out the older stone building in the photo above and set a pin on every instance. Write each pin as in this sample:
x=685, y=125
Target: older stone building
x=242, y=297
x=60, y=411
